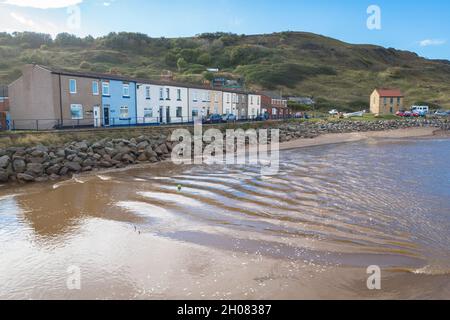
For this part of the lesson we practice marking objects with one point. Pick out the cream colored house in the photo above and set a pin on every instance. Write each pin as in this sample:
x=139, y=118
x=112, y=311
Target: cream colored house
x=386, y=101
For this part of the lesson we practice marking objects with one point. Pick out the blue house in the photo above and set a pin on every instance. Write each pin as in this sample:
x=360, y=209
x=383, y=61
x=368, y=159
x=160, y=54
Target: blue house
x=118, y=103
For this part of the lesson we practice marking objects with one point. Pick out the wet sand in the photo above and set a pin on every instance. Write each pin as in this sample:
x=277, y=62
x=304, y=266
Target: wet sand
x=309, y=232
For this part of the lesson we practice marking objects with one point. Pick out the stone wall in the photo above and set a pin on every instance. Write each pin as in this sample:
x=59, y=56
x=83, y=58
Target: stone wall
x=42, y=163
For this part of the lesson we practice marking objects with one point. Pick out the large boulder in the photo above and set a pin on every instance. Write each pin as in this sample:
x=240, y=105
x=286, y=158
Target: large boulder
x=36, y=169
x=73, y=166
x=24, y=177
x=4, y=161
x=3, y=176
x=19, y=165
x=55, y=169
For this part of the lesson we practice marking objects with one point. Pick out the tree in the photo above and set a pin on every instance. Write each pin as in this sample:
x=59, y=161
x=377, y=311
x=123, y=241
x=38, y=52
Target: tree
x=181, y=64
x=67, y=40
x=204, y=59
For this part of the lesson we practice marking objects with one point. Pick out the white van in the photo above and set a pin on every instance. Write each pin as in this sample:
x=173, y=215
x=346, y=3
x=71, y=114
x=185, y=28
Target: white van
x=421, y=109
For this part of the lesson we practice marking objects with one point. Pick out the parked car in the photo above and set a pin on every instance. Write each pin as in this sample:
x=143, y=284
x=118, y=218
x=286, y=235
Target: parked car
x=442, y=113
x=400, y=113
x=261, y=117
x=214, y=118
x=420, y=109
x=334, y=112
x=229, y=118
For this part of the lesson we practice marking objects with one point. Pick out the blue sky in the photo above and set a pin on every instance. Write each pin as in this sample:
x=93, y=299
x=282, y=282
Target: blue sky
x=419, y=26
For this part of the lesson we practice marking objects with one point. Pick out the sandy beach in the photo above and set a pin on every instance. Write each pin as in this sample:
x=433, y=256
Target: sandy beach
x=334, y=138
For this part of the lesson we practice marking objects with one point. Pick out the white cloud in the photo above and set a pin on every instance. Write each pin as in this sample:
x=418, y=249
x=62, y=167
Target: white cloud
x=432, y=42
x=26, y=24
x=22, y=19
x=43, y=4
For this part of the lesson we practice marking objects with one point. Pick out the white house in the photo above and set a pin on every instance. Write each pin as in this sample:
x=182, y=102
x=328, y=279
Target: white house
x=227, y=103
x=199, y=103
x=162, y=103
x=254, y=106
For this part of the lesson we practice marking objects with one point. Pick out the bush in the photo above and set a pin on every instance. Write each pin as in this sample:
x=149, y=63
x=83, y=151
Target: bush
x=85, y=65
x=284, y=74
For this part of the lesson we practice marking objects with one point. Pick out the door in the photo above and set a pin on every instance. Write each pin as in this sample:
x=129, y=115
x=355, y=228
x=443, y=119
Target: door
x=97, y=121
x=106, y=116
x=161, y=115
x=168, y=115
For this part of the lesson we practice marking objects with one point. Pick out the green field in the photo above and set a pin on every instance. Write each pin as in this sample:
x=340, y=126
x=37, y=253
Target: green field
x=337, y=74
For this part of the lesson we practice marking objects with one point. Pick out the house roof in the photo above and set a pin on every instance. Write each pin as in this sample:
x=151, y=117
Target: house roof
x=390, y=93
x=109, y=76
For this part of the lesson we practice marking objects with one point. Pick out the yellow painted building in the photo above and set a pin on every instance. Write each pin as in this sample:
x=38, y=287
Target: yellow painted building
x=216, y=102
x=386, y=101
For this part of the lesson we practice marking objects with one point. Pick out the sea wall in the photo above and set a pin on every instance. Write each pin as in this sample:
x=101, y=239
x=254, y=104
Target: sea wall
x=42, y=163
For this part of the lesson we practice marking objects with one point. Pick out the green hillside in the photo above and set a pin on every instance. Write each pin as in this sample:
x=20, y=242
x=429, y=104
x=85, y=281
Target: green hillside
x=335, y=73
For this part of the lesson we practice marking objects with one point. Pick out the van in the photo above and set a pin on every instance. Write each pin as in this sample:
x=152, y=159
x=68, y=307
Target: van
x=420, y=109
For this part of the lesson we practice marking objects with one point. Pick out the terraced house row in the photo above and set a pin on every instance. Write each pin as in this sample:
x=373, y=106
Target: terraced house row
x=47, y=98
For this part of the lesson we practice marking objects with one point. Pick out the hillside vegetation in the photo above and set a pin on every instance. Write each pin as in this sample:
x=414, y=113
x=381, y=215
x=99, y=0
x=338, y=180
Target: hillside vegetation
x=335, y=73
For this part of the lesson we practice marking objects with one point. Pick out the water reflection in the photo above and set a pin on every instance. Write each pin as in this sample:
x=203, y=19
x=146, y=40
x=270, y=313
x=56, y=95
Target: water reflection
x=230, y=233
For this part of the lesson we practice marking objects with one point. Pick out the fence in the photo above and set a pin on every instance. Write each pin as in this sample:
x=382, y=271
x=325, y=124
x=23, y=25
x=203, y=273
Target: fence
x=67, y=124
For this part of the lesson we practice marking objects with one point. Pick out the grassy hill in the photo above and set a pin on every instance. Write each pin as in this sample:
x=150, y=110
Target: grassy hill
x=335, y=73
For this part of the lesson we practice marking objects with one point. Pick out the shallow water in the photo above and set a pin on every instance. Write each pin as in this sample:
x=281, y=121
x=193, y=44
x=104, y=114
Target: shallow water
x=309, y=232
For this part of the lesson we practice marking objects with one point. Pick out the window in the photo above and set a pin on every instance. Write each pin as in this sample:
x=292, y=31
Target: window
x=147, y=93
x=195, y=113
x=195, y=96
x=126, y=90
x=167, y=94
x=258, y=101
x=399, y=100
x=73, y=86
x=228, y=98
x=237, y=99
x=161, y=94
x=179, y=94
x=179, y=112
x=251, y=100
x=385, y=101
x=392, y=100
x=124, y=112
x=76, y=111
x=105, y=89
x=95, y=88
x=148, y=113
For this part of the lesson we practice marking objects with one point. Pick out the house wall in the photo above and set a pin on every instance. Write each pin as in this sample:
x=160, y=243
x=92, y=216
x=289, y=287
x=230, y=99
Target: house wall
x=375, y=103
x=116, y=100
x=216, y=103
x=199, y=102
x=266, y=105
x=4, y=104
x=227, y=105
x=385, y=105
x=84, y=96
x=143, y=103
x=254, y=106
x=156, y=104
x=31, y=98
x=239, y=106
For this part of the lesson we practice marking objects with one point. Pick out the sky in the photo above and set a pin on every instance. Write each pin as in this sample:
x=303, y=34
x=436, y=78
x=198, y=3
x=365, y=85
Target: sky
x=414, y=25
